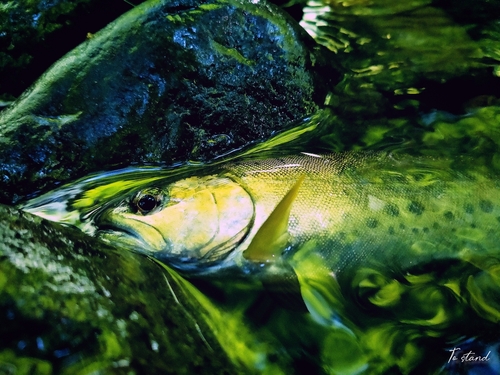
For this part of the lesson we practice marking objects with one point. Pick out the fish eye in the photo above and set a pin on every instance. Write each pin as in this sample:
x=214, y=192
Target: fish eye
x=145, y=202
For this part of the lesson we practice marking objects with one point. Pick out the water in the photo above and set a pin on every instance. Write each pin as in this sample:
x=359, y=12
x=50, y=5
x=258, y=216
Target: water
x=371, y=320
x=421, y=81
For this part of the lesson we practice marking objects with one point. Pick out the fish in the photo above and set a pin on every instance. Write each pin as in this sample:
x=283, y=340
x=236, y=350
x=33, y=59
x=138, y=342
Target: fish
x=375, y=246
x=348, y=210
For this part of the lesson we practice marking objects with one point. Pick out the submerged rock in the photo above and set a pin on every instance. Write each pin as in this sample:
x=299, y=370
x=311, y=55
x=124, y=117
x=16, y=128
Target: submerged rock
x=69, y=304
x=168, y=81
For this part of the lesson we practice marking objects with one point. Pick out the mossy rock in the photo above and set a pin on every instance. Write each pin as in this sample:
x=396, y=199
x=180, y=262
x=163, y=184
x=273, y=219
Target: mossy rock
x=70, y=304
x=35, y=33
x=169, y=81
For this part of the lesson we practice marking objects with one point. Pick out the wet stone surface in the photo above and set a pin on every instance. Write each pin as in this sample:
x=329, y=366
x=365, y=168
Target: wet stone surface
x=35, y=33
x=168, y=81
x=70, y=304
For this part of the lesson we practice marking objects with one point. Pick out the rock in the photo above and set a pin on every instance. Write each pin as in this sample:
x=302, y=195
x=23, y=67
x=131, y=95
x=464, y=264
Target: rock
x=69, y=304
x=169, y=81
x=36, y=33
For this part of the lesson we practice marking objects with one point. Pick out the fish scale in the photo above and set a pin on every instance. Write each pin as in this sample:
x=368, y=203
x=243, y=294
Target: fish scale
x=352, y=208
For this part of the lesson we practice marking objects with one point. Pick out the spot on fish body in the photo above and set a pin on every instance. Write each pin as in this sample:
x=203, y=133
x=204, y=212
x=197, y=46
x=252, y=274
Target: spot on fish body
x=469, y=208
x=448, y=215
x=391, y=209
x=486, y=206
x=372, y=222
x=416, y=208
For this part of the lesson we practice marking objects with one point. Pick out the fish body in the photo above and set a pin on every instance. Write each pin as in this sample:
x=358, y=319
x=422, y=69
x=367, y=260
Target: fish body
x=352, y=210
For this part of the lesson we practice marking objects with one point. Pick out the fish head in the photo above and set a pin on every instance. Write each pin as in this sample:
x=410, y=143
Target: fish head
x=189, y=223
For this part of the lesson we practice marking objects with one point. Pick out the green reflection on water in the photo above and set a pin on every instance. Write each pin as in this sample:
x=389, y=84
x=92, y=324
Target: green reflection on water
x=407, y=66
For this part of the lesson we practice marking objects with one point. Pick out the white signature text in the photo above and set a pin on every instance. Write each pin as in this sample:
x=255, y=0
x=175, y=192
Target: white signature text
x=457, y=355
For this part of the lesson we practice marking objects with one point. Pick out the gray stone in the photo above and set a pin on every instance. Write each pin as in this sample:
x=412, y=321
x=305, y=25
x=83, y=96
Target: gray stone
x=70, y=304
x=36, y=33
x=169, y=81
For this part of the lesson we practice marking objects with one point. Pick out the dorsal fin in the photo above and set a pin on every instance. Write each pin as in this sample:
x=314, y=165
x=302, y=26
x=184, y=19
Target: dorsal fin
x=271, y=238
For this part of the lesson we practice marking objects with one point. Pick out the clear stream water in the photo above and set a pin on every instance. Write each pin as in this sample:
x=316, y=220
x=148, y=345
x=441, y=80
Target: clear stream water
x=422, y=79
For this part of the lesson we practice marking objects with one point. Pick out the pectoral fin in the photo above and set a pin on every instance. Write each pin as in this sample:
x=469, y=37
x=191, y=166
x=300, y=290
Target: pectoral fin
x=319, y=288
x=272, y=236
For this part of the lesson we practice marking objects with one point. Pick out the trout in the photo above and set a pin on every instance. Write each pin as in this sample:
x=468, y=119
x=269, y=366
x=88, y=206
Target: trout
x=351, y=210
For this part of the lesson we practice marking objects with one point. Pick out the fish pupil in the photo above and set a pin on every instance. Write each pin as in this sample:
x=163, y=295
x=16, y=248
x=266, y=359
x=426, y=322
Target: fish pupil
x=146, y=203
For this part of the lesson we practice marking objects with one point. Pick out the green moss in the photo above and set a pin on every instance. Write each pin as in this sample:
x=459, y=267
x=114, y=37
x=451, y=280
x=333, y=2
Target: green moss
x=175, y=18
x=209, y=7
x=232, y=53
x=69, y=295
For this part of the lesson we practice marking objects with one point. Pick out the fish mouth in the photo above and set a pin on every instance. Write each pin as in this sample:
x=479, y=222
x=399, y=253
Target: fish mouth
x=131, y=240
x=126, y=237
x=130, y=237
